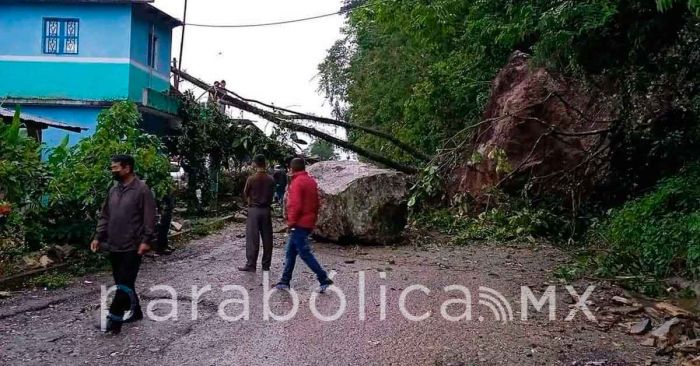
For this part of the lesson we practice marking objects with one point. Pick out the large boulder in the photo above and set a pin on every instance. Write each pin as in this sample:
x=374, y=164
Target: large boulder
x=538, y=129
x=360, y=202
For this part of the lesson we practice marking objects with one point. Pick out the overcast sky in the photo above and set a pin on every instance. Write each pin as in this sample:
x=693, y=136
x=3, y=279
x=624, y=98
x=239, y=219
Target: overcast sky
x=274, y=64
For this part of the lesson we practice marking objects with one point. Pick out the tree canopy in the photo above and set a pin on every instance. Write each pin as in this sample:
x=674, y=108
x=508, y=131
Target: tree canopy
x=422, y=69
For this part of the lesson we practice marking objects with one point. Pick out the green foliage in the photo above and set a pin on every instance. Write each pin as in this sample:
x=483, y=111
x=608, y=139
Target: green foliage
x=658, y=234
x=211, y=141
x=22, y=181
x=81, y=177
x=505, y=223
x=423, y=69
x=52, y=281
x=21, y=173
x=324, y=150
x=665, y=5
x=428, y=189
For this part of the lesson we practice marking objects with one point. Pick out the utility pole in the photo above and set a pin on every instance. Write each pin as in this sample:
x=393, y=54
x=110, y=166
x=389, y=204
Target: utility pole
x=182, y=39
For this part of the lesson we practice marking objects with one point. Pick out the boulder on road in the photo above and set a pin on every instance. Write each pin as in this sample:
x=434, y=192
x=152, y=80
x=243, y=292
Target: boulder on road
x=360, y=201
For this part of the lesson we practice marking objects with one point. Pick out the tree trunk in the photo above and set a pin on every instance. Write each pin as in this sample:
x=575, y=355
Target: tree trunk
x=284, y=122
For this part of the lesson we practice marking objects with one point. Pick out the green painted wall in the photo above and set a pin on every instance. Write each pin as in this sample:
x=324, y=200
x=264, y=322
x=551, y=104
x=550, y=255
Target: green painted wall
x=65, y=80
x=140, y=79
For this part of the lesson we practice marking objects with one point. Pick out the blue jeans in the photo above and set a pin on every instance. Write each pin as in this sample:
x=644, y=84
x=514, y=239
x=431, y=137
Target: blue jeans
x=298, y=244
x=279, y=193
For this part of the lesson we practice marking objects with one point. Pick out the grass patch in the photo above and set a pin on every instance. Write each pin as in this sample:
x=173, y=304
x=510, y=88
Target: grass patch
x=52, y=281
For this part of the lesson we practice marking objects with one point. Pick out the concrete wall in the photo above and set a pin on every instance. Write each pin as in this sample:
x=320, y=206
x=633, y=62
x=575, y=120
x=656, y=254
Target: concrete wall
x=111, y=64
x=100, y=70
x=141, y=75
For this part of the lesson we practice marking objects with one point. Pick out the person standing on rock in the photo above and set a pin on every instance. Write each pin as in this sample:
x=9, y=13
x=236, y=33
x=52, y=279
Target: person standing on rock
x=258, y=192
x=127, y=226
x=302, y=212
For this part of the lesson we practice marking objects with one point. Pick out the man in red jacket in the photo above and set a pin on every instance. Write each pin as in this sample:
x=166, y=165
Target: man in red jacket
x=302, y=211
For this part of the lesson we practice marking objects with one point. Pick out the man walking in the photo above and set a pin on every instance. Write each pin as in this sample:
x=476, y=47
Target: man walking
x=127, y=226
x=258, y=192
x=302, y=212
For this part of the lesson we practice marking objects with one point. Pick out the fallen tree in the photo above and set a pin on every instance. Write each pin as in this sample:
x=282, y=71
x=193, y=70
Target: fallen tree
x=285, y=121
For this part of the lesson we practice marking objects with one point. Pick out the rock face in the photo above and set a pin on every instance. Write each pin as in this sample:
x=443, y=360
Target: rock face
x=534, y=127
x=360, y=202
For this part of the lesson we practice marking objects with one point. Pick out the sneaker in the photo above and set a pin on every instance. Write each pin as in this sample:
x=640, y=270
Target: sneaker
x=246, y=269
x=282, y=286
x=324, y=285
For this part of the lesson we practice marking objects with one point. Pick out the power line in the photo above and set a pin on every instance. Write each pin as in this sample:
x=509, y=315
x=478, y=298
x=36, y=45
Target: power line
x=267, y=24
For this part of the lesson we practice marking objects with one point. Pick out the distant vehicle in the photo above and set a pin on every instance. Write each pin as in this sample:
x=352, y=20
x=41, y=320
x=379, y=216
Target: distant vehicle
x=177, y=173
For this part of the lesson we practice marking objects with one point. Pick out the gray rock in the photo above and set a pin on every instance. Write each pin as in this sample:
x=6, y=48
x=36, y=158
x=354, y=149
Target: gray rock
x=621, y=300
x=360, y=202
x=176, y=226
x=641, y=327
x=669, y=332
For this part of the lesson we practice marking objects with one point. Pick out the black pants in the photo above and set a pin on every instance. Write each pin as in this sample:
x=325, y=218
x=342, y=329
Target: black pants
x=162, y=231
x=125, y=268
x=259, y=224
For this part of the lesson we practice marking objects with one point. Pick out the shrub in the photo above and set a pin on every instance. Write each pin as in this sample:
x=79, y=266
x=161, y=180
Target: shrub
x=657, y=234
x=81, y=177
x=22, y=180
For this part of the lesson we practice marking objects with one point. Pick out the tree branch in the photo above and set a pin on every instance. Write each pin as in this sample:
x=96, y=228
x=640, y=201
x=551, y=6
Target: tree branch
x=281, y=121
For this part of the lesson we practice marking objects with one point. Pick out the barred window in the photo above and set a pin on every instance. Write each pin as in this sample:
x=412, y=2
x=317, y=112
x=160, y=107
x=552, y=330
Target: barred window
x=61, y=36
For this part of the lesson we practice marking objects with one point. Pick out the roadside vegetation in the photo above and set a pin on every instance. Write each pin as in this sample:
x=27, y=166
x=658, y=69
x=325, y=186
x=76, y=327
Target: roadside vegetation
x=424, y=70
x=48, y=204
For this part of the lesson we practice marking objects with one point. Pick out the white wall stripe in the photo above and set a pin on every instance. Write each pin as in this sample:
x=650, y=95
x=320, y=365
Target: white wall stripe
x=65, y=58
x=85, y=60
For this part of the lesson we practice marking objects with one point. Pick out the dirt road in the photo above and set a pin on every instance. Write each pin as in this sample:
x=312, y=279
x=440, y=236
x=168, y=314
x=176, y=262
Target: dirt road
x=58, y=327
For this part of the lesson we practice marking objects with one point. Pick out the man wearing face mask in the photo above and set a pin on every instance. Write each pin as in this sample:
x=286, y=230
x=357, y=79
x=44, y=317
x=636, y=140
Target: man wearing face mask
x=127, y=226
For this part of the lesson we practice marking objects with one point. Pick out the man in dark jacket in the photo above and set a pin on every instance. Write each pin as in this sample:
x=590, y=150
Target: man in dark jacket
x=127, y=226
x=302, y=212
x=258, y=192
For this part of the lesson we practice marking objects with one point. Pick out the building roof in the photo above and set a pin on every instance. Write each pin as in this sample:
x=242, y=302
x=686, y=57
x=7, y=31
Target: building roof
x=44, y=122
x=143, y=5
x=148, y=9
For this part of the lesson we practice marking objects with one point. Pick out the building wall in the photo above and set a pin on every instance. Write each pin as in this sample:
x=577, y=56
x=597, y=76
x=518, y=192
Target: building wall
x=100, y=70
x=76, y=116
x=141, y=75
x=111, y=64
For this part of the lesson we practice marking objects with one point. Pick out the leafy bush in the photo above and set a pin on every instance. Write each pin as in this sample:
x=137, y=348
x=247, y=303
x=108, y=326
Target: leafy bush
x=211, y=141
x=81, y=177
x=657, y=234
x=22, y=181
x=504, y=223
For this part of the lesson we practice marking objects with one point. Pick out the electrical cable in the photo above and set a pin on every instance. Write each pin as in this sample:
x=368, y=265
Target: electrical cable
x=345, y=9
